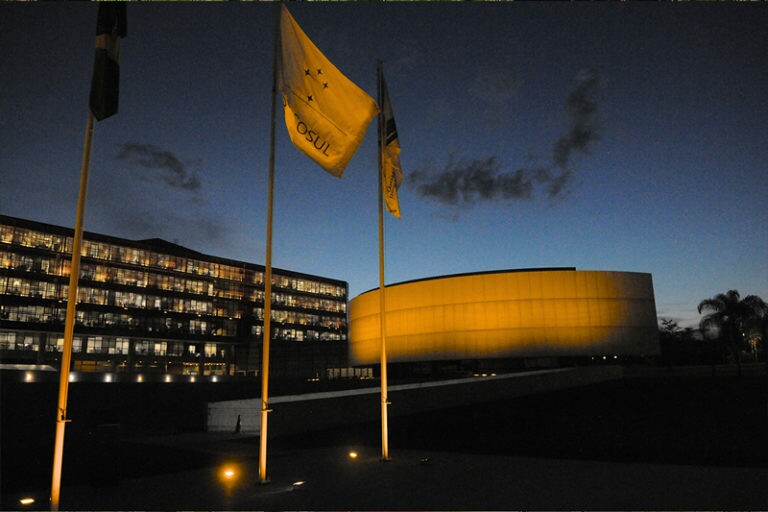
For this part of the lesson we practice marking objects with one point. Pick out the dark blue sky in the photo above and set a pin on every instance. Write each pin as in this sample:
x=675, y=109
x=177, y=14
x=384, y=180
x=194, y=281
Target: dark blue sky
x=624, y=136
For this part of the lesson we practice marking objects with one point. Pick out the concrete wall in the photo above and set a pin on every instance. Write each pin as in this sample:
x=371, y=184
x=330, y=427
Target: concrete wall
x=303, y=413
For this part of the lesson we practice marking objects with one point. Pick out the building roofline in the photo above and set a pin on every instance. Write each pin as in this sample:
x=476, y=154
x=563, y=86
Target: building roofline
x=156, y=245
x=479, y=273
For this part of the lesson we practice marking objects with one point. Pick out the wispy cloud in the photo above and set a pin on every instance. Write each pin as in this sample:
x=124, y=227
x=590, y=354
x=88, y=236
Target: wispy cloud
x=159, y=164
x=468, y=181
x=581, y=108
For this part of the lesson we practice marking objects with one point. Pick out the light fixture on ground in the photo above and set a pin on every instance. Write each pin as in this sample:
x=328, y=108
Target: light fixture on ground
x=229, y=475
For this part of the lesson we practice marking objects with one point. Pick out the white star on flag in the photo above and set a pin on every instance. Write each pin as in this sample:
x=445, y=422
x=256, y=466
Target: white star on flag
x=326, y=114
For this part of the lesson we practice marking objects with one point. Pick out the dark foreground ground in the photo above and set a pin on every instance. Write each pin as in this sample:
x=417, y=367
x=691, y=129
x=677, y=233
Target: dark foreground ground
x=670, y=443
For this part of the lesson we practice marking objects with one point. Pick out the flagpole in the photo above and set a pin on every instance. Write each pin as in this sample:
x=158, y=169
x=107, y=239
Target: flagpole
x=266, y=335
x=382, y=289
x=69, y=325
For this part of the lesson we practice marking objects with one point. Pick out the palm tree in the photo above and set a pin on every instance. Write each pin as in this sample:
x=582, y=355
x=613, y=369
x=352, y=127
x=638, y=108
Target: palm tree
x=731, y=314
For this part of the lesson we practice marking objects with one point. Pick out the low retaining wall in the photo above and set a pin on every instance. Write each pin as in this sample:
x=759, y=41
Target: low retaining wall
x=316, y=411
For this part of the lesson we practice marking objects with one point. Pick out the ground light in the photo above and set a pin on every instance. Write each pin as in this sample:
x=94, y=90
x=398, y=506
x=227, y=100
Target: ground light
x=27, y=501
x=353, y=454
x=229, y=475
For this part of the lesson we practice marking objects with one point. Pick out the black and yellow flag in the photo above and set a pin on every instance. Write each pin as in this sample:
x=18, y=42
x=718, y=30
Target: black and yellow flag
x=326, y=114
x=105, y=85
x=391, y=171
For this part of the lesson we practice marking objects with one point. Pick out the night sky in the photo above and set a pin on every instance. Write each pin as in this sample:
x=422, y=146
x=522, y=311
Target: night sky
x=628, y=137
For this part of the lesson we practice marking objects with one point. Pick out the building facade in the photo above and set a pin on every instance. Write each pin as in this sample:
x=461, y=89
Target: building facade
x=513, y=314
x=152, y=308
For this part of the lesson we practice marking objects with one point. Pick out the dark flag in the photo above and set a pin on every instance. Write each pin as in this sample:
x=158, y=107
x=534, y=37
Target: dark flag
x=392, y=172
x=105, y=86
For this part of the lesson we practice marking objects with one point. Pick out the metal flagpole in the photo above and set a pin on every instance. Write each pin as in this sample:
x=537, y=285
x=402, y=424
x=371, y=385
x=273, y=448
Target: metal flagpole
x=69, y=325
x=266, y=335
x=382, y=289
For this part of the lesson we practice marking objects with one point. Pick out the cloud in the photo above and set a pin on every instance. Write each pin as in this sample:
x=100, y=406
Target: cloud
x=159, y=164
x=468, y=181
x=554, y=184
x=581, y=108
x=471, y=181
x=125, y=207
x=177, y=211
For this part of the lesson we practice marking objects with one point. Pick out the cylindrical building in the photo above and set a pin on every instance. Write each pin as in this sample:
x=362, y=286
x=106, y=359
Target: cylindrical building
x=508, y=313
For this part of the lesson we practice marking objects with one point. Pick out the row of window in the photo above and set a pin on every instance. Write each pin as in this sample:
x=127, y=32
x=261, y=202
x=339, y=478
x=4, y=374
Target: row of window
x=300, y=301
x=31, y=238
x=49, y=290
x=167, y=304
x=142, y=279
x=87, y=295
x=108, y=320
x=310, y=335
x=115, y=253
x=109, y=345
x=293, y=317
x=160, y=325
x=141, y=301
x=292, y=334
x=145, y=279
x=104, y=251
x=349, y=373
x=148, y=279
x=104, y=274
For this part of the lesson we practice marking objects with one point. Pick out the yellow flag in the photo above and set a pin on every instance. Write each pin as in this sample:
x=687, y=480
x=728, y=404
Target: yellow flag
x=326, y=114
x=391, y=171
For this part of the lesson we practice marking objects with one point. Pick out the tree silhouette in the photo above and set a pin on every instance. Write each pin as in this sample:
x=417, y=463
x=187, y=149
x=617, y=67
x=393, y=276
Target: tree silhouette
x=678, y=345
x=731, y=315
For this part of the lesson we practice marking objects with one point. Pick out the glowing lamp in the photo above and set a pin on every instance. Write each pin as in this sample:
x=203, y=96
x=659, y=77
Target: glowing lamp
x=229, y=475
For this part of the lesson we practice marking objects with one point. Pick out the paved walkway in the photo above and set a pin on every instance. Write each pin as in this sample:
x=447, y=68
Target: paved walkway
x=419, y=480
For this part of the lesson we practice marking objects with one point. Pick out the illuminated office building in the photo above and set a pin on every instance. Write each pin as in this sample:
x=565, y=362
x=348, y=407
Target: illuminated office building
x=151, y=308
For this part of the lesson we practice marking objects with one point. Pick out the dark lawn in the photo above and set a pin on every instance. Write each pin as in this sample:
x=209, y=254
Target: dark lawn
x=703, y=421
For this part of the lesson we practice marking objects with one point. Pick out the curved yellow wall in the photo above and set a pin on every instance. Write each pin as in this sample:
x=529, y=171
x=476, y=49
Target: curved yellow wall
x=508, y=314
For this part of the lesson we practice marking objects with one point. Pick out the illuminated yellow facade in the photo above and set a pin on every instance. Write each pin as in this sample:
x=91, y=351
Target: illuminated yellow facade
x=531, y=313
